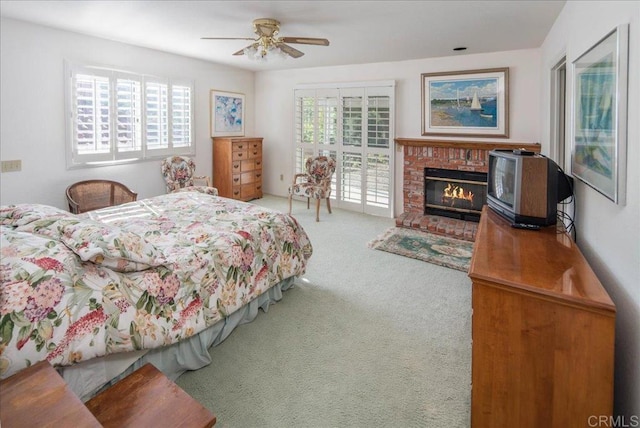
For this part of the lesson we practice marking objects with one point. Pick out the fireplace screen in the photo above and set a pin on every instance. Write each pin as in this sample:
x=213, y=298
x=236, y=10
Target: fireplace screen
x=452, y=193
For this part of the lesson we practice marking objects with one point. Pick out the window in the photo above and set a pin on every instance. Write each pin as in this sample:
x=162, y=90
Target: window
x=115, y=116
x=352, y=123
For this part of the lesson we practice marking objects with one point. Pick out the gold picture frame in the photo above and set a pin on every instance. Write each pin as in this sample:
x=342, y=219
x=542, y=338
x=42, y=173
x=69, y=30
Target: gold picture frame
x=472, y=103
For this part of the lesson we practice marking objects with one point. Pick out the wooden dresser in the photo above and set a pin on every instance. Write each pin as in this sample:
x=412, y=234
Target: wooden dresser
x=543, y=330
x=237, y=167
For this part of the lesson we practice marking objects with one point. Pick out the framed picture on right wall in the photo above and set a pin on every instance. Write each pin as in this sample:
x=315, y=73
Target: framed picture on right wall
x=599, y=134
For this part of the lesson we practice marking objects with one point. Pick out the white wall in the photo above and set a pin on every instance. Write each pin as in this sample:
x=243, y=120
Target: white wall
x=608, y=234
x=32, y=108
x=274, y=100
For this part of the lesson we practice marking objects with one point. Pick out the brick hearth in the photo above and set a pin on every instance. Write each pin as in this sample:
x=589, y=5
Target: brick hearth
x=457, y=155
x=460, y=229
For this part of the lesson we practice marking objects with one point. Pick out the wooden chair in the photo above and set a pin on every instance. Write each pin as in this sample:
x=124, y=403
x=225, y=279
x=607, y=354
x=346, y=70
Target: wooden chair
x=90, y=195
x=315, y=182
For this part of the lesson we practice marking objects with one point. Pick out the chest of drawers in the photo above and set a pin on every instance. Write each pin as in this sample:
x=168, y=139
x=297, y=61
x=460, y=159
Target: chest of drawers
x=237, y=167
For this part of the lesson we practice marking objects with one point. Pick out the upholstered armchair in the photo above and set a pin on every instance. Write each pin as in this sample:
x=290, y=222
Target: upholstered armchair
x=315, y=182
x=91, y=195
x=178, y=173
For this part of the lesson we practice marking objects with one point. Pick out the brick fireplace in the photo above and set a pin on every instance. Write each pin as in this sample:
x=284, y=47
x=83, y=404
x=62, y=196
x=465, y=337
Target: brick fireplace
x=471, y=156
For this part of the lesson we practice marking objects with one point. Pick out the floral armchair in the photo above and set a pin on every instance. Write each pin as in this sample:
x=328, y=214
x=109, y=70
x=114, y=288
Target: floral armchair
x=315, y=183
x=178, y=173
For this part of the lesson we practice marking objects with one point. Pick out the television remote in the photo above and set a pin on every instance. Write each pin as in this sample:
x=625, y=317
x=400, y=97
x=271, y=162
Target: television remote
x=525, y=226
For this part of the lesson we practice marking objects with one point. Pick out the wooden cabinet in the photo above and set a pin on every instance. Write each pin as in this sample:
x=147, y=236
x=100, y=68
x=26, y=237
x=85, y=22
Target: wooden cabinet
x=237, y=167
x=542, y=330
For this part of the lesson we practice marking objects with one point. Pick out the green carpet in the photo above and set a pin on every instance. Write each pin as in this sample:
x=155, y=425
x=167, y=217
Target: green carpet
x=364, y=339
x=428, y=247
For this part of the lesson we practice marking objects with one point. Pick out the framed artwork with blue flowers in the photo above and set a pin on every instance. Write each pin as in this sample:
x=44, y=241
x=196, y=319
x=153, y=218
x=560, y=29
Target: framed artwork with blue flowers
x=227, y=114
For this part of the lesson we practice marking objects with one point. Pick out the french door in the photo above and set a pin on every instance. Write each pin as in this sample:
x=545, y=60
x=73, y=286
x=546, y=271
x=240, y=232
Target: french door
x=354, y=125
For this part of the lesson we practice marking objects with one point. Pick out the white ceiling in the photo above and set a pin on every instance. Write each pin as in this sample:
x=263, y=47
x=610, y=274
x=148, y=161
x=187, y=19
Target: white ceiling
x=359, y=31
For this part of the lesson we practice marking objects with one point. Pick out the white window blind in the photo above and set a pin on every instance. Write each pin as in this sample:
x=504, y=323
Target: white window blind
x=181, y=115
x=129, y=116
x=116, y=116
x=157, y=114
x=91, y=107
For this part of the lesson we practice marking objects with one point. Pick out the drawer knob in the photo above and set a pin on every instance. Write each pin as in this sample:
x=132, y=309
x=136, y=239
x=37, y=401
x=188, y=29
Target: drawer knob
x=236, y=166
x=236, y=180
x=240, y=146
x=258, y=175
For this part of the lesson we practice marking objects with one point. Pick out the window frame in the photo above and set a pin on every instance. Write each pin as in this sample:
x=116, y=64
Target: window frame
x=116, y=155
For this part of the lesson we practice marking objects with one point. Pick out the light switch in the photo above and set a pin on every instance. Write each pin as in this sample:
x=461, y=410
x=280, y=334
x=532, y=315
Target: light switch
x=11, y=165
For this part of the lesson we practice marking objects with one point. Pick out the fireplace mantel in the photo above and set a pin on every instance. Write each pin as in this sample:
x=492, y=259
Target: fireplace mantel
x=479, y=145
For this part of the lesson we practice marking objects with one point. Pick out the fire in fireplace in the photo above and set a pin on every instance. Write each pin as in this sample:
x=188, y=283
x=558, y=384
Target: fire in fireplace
x=453, y=193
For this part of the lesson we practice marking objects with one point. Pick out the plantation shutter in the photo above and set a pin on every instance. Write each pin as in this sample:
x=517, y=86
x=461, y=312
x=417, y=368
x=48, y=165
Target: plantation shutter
x=128, y=116
x=181, y=114
x=157, y=115
x=378, y=165
x=91, y=126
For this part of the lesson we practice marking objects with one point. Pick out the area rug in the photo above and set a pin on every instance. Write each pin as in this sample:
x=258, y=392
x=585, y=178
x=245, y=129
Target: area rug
x=428, y=247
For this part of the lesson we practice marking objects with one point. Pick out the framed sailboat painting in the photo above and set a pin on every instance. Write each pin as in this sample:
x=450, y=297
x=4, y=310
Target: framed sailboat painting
x=473, y=103
x=599, y=115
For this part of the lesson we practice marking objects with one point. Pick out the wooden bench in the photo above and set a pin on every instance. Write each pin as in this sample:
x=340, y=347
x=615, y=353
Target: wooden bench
x=38, y=397
x=147, y=398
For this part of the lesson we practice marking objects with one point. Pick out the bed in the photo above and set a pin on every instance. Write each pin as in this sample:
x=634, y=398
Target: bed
x=159, y=280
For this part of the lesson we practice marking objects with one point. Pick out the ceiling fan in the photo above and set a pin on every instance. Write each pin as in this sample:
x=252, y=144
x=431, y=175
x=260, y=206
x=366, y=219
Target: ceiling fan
x=267, y=31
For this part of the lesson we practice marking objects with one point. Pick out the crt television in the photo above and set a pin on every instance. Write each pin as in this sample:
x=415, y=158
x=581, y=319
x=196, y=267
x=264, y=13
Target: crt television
x=525, y=187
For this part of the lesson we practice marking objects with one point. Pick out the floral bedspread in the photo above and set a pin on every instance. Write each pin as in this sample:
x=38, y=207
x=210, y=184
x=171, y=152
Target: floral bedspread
x=137, y=276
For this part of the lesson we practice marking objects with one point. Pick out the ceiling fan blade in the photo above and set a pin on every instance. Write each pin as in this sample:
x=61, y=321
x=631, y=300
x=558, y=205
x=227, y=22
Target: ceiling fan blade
x=292, y=52
x=241, y=51
x=227, y=38
x=305, y=41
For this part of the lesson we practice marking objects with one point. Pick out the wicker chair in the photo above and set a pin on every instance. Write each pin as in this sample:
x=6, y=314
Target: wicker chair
x=315, y=183
x=94, y=194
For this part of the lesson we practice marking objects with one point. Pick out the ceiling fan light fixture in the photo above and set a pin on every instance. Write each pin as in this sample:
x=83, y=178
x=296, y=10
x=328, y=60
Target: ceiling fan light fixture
x=251, y=52
x=276, y=53
x=269, y=53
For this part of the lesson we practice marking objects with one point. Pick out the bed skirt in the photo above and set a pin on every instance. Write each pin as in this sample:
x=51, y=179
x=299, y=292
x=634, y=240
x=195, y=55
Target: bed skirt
x=88, y=378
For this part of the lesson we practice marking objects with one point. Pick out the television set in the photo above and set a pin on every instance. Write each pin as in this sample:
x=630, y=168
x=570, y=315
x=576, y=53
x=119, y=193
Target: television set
x=525, y=187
